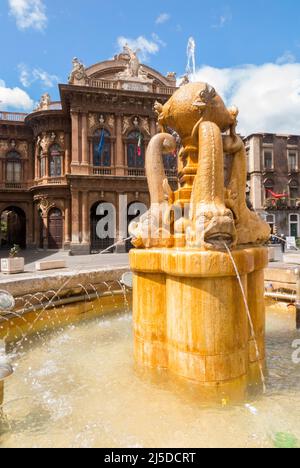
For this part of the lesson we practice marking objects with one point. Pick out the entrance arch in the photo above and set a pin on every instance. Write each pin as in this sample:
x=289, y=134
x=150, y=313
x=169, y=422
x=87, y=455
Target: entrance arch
x=98, y=244
x=13, y=227
x=55, y=229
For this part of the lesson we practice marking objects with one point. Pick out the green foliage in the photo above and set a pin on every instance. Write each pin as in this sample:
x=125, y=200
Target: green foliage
x=284, y=440
x=14, y=252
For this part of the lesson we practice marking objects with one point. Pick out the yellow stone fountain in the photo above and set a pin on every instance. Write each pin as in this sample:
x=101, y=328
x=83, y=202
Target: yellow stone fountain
x=190, y=316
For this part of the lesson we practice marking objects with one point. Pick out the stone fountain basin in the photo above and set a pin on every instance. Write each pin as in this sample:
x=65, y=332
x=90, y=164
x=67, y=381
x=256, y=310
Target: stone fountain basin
x=77, y=386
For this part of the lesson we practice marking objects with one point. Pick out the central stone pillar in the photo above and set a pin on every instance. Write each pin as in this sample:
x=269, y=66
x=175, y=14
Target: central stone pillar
x=190, y=317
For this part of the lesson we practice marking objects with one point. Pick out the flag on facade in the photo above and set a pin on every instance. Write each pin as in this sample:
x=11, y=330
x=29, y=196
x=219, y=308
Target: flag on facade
x=140, y=142
x=278, y=196
x=101, y=144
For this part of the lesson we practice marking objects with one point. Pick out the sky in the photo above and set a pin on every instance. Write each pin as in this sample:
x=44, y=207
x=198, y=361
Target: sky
x=248, y=50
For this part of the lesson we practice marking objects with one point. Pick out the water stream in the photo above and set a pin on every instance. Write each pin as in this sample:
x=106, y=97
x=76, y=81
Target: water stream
x=253, y=335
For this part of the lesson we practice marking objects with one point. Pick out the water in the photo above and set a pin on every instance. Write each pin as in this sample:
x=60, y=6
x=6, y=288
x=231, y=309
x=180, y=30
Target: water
x=78, y=387
x=253, y=336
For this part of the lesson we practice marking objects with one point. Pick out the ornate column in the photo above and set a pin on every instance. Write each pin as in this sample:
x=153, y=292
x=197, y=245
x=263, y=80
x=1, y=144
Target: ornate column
x=84, y=141
x=67, y=153
x=85, y=218
x=119, y=158
x=67, y=226
x=75, y=217
x=75, y=148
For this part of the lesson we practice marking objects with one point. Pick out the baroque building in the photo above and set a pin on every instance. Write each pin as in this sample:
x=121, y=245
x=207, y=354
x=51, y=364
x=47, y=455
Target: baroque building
x=62, y=162
x=274, y=180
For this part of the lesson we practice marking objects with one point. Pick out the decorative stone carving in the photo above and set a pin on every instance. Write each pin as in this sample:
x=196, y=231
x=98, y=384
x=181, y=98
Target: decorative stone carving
x=189, y=314
x=218, y=216
x=102, y=120
x=92, y=121
x=3, y=146
x=111, y=121
x=144, y=123
x=134, y=70
x=78, y=75
x=126, y=125
x=171, y=76
x=153, y=228
x=136, y=121
x=62, y=140
x=45, y=102
x=45, y=143
x=23, y=148
x=43, y=204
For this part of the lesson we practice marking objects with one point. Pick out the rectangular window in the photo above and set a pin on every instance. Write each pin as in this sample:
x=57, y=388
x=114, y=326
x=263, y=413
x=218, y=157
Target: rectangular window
x=294, y=225
x=268, y=160
x=13, y=172
x=293, y=160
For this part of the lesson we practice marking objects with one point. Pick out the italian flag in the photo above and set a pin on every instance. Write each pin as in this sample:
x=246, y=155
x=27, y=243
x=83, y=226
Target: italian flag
x=139, y=148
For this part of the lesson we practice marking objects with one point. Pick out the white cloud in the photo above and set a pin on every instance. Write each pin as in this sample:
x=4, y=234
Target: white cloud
x=163, y=18
x=141, y=44
x=28, y=77
x=268, y=95
x=14, y=98
x=29, y=13
x=222, y=20
x=287, y=57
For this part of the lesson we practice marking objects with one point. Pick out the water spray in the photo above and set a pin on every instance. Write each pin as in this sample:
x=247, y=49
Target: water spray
x=191, y=53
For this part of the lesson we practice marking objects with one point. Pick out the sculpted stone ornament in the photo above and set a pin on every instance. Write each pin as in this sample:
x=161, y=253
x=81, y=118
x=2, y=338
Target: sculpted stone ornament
x=189, y=309
x=126, y=124
x=154, y=227
x=45, y=102
x=134, y=70
x=45, y=143
x=78, y=75
x=218, y=215
x=145, y=125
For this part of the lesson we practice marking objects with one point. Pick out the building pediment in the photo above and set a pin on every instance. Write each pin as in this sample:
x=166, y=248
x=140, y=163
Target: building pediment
x=124, y=69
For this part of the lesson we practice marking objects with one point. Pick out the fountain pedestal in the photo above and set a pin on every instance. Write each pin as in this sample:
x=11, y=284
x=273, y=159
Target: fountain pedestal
x=190, y=316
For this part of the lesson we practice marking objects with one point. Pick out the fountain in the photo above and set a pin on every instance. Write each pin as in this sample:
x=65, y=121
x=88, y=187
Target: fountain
x=194, y=270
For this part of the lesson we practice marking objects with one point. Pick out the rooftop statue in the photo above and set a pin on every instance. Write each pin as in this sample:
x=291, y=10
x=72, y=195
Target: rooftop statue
x=44, y=103
x=78, y=74
x=134, y=69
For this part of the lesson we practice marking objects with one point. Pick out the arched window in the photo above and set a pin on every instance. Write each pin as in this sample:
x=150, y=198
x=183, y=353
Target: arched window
x=13, y=167
x=102, y=148
x=269, y=187
x=294, y=192
x=42, y=166
x=55, y=161
x=135, y=150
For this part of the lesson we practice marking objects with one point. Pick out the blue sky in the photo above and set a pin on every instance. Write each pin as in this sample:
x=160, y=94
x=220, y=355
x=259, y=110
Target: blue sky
x=39, y=38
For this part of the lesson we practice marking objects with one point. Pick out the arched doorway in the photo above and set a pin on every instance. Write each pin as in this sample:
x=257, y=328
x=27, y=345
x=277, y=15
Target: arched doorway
x=100, y=213
x=55, y=229
x=13, y=228
x=134, y=211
